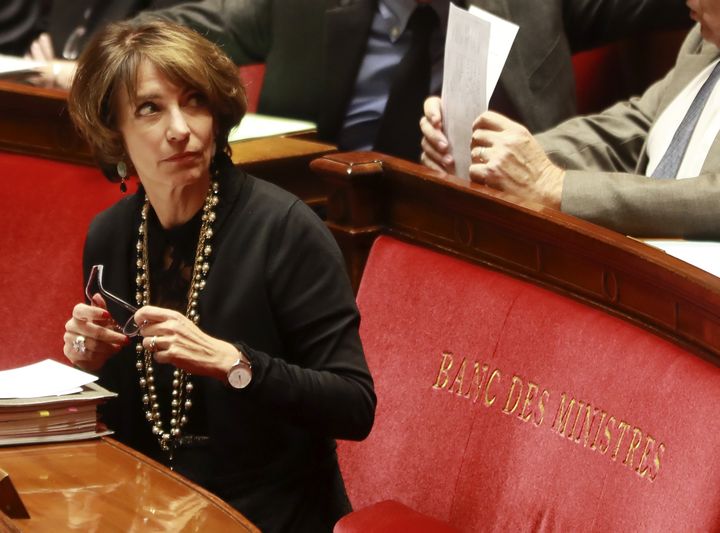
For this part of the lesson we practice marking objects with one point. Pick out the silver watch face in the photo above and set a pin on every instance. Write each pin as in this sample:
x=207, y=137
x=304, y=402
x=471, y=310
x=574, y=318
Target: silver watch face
x=239, y=376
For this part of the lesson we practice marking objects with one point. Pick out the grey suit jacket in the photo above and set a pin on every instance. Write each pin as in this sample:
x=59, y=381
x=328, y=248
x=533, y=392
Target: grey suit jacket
x=606, y=157
x=312, y=49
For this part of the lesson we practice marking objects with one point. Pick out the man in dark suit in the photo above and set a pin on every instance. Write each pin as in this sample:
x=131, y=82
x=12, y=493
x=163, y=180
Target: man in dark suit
x=319, y=67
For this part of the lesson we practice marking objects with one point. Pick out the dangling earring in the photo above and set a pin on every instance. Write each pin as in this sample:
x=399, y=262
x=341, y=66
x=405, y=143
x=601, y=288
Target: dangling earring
x=122, y=172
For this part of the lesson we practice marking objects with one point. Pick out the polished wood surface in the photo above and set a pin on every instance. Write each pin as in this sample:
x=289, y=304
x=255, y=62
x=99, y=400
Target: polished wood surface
x=34, y=121
x=7, y=525
x=101, y=485
x=370, y=194
x=285, y=161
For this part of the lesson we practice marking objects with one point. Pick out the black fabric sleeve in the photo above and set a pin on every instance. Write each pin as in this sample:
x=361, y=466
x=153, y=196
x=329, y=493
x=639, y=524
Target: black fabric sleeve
x=322, y=383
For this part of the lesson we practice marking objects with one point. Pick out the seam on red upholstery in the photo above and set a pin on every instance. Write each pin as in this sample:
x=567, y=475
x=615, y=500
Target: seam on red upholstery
x=505, y=319
x=599, y=502
x=466, y=456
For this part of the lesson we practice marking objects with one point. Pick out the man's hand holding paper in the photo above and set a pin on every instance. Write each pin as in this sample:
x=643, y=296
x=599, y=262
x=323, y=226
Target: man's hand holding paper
x=469, y=80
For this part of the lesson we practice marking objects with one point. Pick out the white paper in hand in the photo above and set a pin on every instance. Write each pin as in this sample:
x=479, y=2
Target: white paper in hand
x=502, y=37
x=476, y=48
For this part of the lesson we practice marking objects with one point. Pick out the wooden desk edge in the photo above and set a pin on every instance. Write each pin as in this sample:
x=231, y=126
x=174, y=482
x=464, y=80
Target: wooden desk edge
x=374, y=194
x=162, y=469
x=7, y=525
x=264, y=149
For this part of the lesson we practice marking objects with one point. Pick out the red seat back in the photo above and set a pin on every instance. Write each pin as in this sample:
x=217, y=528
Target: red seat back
x=505, y=406
x=617, y=71
x=45, y=209
x=252, y=77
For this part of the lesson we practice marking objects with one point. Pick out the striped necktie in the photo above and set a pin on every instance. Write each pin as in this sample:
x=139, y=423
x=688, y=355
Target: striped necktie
x=671, y=160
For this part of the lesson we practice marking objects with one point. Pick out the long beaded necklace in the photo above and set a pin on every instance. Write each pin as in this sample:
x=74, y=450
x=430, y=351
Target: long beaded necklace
x=182, y=386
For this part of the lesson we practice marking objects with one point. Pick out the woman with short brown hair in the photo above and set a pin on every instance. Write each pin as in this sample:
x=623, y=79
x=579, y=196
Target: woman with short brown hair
x=218, y=305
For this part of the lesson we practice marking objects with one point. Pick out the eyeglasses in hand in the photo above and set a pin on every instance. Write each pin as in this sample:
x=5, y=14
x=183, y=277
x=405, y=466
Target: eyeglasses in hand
x=122, y=312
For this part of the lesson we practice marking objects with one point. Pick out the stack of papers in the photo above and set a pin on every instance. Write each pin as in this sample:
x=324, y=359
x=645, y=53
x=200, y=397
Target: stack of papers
x=49, y=402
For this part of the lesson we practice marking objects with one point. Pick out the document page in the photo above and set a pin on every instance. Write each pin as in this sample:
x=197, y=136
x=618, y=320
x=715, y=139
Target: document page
x=502, y=37
x=476, y=48
x=45, y=378
x=11, y=64
x=702, y=254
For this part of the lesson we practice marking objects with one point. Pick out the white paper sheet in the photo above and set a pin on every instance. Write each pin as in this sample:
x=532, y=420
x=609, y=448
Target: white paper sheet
x=254, y=126
x=9, y=64
x=476, y=48
x=702, y=254
x=45, y=378
x=502, y=37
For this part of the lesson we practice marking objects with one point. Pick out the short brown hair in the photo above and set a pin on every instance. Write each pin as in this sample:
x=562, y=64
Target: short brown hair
x=110, y=63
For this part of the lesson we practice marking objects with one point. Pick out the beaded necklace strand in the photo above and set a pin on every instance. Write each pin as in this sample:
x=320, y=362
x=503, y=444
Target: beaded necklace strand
x=181, y=384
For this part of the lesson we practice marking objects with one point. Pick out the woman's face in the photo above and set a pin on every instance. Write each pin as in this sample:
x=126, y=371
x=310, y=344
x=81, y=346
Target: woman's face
x=707, y=13
x=168, y=131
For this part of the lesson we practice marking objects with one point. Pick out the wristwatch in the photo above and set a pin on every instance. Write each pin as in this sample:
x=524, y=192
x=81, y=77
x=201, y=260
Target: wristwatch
x=240, y=374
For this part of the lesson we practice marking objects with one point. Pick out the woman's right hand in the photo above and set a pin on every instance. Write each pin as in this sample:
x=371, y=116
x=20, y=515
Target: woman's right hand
x=101, y=338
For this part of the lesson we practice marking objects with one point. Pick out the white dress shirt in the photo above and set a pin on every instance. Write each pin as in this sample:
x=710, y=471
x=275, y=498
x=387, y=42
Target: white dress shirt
x=703, y=136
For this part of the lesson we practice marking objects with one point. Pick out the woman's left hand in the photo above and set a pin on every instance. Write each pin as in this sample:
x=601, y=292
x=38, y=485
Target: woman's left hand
x=173, y=338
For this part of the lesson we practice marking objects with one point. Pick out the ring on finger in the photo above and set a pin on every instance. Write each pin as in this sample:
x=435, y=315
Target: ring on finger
x=79, y=344
x=481, y=154
x=153, y=344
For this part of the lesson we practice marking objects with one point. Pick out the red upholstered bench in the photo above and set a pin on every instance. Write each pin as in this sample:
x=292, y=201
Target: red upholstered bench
x=504, y=406
x=45, y=209
x=391, y=516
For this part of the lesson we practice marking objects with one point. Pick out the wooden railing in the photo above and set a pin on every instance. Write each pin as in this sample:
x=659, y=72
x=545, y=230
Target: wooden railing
x=370, y=194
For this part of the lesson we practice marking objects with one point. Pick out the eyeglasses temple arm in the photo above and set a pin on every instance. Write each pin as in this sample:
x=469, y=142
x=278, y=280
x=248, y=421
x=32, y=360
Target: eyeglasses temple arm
x=119, y=301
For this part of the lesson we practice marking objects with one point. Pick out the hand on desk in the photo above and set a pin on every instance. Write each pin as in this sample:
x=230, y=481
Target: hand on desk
x=58, y=72
x=505, y=156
